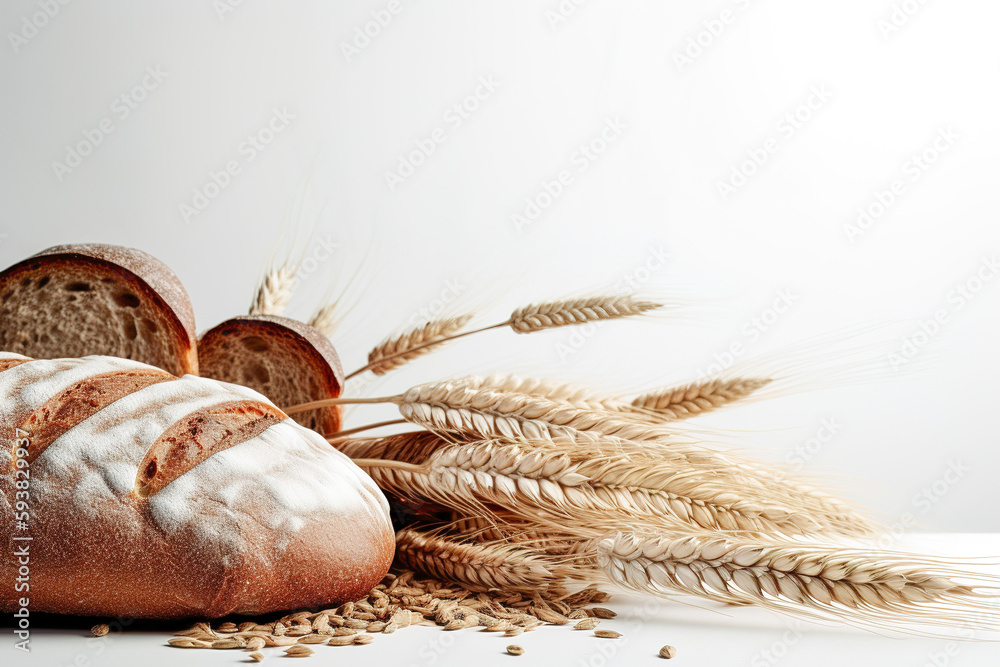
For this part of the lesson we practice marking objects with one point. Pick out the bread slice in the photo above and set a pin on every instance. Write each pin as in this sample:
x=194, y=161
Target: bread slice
x=96, y=299
x=286, y=360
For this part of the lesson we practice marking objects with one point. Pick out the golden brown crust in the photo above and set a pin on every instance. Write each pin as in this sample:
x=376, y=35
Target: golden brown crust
x=198, y=435
x=286, y=360
x=81, y=400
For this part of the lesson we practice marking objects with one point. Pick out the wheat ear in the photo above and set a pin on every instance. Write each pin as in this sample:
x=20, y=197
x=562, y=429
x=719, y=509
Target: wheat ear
x=394, y=352
x=529, y=319
x=702, y=478
x=880, y=588
x=478, y=565
x=589, y=491
x=325, y=320
x=467, y=411
x=470, y=412
x=697, y=397
x=574, y=394
x=274, y=293
x=551, y=314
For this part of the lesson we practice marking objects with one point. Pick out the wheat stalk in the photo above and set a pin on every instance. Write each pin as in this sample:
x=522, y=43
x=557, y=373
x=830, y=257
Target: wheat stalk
x=484, y=412
x=697, y=397
x=467, y=411
x=642, y=478
x=479, y=565
x=394, y=352
x=325, y=320
x=589, y=491
x=551, y=314
x=528, y=319
x=275, y=292
x=881, y=588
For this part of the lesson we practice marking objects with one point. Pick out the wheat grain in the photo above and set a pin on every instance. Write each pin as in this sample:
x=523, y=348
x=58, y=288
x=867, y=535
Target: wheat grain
x=668, y=652
x=697, y=397
x=551, y=314
x=607, y=634
x=880, y=588
x=401, y=600
x=341, y=640
x=100, y=630
x=275, y=292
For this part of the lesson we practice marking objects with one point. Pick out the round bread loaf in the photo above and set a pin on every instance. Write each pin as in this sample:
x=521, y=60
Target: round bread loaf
x=160, y=497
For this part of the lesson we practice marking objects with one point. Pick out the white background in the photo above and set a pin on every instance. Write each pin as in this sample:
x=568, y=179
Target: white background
x=654, y=189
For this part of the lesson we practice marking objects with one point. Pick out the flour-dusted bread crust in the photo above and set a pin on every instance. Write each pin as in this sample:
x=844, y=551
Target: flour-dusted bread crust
x=286, y=360
x=180, y=497
x=78, y=300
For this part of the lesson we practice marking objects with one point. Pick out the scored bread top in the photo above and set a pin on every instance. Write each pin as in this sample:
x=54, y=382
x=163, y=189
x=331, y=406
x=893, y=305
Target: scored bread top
x=99, y=457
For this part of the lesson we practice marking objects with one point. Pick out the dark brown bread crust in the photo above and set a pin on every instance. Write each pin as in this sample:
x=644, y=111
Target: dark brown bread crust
x=151, y=283
x=286, y=360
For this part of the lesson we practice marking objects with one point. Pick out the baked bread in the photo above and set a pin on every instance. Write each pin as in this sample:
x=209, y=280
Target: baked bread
x=77, y=300
x=286, y=360
x=160, y=497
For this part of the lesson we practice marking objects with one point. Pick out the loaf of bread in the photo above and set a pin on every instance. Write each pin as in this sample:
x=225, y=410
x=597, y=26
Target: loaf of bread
x=155, y=496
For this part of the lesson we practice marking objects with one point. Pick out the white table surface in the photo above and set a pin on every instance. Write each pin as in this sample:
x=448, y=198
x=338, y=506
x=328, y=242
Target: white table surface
x=706, y=634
